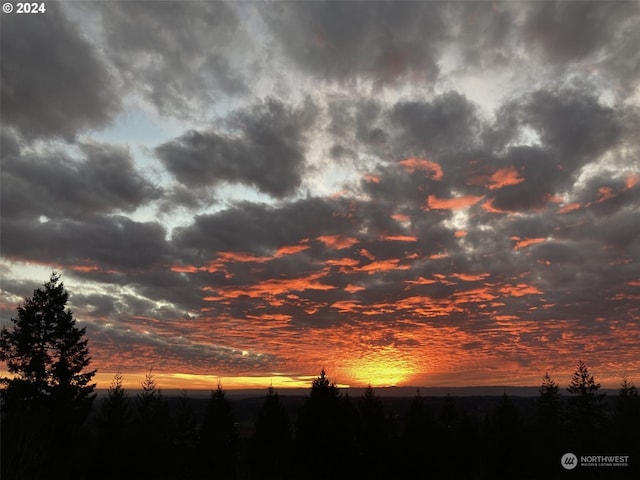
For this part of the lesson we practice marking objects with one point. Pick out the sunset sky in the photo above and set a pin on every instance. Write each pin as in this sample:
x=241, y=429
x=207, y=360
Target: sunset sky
x=434, y=194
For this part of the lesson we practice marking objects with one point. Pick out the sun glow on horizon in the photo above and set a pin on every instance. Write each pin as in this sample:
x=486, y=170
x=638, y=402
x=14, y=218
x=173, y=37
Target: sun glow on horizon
x=383, y=367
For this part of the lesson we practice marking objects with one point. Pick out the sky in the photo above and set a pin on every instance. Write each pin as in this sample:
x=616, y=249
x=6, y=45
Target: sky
x=419, y=193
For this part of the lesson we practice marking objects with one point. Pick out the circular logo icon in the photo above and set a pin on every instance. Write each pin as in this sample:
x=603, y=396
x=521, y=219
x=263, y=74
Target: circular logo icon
x=569, y=461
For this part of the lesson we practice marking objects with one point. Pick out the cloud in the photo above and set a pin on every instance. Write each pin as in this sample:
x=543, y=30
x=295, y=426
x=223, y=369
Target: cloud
x=569, y=31
x=53, y=88
x=178, y=56
x=485, y=221
x=265, y=150
x=382, y=42
x=112, y=243
x=447, y=123
x=51, y=183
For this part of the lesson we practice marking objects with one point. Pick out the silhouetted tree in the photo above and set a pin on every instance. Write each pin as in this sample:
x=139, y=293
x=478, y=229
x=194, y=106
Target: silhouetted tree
x=152, y=424
x=323, y=429
x=47, y=401
x=113, y=426
x=218, y=441
x=548, y=405
x=418, y=437
x=549, y=429
x=507, y=440
x=183, y=438
x=272, y=441
x=449, y=416
x=374, y=435
x=627, y=417
x=586, y=408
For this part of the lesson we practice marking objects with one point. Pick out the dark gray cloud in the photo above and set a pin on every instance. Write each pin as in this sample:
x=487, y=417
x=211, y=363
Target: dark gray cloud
x=447, y=123
x=54, y=184
x=103, y=242
x=345, y=40
x=570, y=31
x=265, y=149
x=53, y=83
x=178, y=55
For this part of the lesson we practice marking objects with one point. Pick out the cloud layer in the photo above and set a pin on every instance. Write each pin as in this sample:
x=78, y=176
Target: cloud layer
x=427, y=192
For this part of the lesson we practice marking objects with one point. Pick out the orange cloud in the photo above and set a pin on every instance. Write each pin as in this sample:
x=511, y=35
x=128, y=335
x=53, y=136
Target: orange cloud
x=272, y=317
x=353, y=288
x=401, y=238
x=632, y=180
x=344, y=306
x=467, y=277
x=455, y=203
x=275, y=286
x=371, y=178
x=401, y=217
x=520, y=290
x=382, y=266
x=460, y=233
x=420, y=281
x=291, y=249
x=504, y=177
x=490, y=208
x=337, y=242
x=241, y=257
x=570, y=207
x=413, y=163
x=605, y=193
x=342, y=262
x=84, y=268
x=482, y=294
x=525, y=242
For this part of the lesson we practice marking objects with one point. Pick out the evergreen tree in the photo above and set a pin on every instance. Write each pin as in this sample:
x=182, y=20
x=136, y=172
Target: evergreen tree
x=49, y=398
x=113, y=426
x=587, y=407
x=218, y=442
x=449, y=417
x=323, y=429
x=374, y=435
x=272, y=442
x=507, y=440
x=151, y=425
x=184, y=437
x=418, y=437
x=549, y=439
x=627, y=417
x=548, y=404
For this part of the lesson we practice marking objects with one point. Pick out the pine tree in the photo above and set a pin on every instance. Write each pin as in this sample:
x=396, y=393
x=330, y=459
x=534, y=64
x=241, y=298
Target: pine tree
x=114, y=413
x=418, y=436
x=113, y=427
x=507, y=439
x=184, y=438
x=49, y=398
x=374, y=434
x=322, y=429
x=548, y=404
x=272, y=441
x=218, y=441
x=587, y=406
x=627, y=416
x=151, y=429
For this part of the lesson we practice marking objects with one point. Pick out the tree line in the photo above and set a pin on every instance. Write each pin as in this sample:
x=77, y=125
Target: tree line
x=53, y=427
